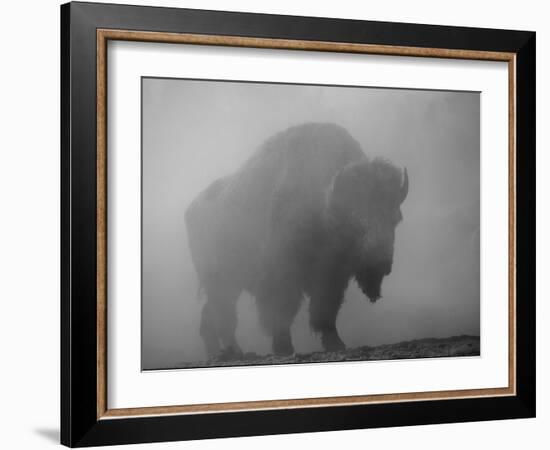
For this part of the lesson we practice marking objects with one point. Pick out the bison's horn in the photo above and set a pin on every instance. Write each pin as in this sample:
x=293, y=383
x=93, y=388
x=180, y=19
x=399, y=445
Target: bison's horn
x=405, y=186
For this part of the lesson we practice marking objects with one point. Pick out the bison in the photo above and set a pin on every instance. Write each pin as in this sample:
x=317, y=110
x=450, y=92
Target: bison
x=307, y=212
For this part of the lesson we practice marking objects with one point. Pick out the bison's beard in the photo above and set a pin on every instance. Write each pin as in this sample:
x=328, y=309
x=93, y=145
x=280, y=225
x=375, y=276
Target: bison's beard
x=370, y=281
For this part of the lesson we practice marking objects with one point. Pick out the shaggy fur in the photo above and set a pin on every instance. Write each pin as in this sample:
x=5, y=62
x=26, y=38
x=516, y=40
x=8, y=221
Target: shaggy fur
x=306, y=213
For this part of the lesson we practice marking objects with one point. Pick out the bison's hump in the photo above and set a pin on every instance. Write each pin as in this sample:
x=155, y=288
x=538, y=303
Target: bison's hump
x=306, y=155
x=310, y=138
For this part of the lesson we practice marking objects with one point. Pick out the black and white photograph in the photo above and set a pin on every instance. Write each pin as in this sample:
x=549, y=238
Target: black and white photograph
x=291, y=223
x=287, y=224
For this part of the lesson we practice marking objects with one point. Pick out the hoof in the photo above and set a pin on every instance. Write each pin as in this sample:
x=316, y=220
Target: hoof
x=332, y=342
x=284, y=348
x=230, y=354
x=283, y=351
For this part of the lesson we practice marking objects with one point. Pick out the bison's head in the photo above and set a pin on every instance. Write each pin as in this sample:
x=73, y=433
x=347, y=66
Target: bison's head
x=365, y=200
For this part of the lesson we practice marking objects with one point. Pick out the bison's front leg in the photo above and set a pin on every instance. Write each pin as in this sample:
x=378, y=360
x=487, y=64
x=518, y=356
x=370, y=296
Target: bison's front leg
x=323, y=310
x=278, y=301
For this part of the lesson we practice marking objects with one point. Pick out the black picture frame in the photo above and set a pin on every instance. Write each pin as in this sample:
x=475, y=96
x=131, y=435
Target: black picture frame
x=80, y=425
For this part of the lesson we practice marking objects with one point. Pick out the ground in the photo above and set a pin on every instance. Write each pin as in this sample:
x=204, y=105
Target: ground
x=420, y=348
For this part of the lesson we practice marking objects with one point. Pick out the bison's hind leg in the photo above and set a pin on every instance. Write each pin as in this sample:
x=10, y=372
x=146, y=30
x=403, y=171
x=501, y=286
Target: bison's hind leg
x=219, y=319
x=208, y=330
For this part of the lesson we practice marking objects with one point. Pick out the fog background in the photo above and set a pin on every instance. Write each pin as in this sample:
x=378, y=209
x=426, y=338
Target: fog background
x=197, y=131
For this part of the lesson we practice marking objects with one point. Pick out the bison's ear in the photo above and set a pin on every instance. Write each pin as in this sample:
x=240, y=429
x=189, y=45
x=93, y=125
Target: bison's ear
x=404, y=187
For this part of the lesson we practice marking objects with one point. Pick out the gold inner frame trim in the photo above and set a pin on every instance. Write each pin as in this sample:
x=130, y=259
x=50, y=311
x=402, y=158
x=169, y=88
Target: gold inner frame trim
x=104, y=35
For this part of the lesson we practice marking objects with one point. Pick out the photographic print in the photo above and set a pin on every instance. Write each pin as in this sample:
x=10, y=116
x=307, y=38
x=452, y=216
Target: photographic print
x=314, y=199
x=293, y=223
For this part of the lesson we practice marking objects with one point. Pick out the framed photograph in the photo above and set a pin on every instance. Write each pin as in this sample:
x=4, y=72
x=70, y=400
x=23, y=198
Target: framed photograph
x=278, y=224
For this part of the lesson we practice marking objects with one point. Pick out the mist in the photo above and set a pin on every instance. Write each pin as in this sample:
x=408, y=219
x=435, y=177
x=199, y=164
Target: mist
x=197, y=131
